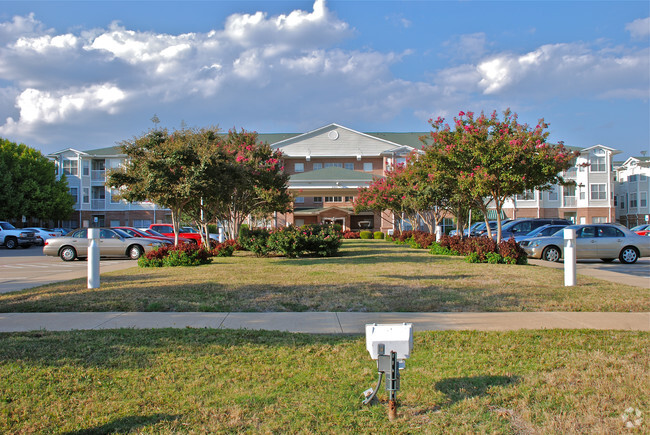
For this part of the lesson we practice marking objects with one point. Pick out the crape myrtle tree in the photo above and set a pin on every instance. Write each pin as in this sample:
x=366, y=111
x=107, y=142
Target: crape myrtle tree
x=161, y=167
x=28, y=185
x=256, y=184
x=494, y=159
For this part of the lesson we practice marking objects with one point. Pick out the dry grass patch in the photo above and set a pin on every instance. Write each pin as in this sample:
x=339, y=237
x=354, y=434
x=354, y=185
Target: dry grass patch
x=368, y=275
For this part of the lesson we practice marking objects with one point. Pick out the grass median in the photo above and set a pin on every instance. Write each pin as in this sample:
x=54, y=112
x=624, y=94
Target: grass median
x=220, y=381
x=367, y=275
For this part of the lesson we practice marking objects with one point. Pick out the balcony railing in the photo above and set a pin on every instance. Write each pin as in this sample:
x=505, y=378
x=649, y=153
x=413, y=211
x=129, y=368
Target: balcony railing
x=96, y=175
x=98, y=204
x=568, y=201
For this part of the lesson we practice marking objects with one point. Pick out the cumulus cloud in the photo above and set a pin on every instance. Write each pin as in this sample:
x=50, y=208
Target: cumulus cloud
x=639, y=28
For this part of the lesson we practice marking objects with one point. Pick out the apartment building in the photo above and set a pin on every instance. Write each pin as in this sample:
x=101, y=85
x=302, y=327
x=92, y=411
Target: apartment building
x=632, y=191
x=590, y=200
x=327, y=166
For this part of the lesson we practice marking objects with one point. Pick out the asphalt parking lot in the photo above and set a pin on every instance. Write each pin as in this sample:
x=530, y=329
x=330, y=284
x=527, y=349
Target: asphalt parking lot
x=26, y=268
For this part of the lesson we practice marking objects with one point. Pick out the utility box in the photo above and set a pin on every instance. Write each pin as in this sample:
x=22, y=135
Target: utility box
x=382, y=339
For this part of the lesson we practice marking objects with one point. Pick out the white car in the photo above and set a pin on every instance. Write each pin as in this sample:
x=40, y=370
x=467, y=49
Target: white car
x=604, y=241
x=42, y=234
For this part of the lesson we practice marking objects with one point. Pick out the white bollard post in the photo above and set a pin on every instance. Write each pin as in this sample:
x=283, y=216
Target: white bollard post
x=438, y=233
x=93, y=257
x=569, y=257
x=221, y=235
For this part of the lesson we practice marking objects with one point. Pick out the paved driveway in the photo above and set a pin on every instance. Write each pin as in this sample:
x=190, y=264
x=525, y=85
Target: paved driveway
x=25, y=268
x=637, y=274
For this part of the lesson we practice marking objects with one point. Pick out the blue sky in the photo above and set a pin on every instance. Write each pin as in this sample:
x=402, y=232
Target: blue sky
x=91, y=74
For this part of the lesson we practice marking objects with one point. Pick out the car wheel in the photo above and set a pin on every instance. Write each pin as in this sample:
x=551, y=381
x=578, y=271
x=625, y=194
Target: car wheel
x=67, y=253
x=607, y=260
x=551, y=253
x=135, y=252
x=10, y=243
x=629, y=255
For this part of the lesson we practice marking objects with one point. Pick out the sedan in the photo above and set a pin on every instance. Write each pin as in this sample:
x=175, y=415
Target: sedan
x=112, y=243
x=604, y=241
x=134, y=232
x=642, y=230
x=42, y=234
x=156, y=235
x=543, y=231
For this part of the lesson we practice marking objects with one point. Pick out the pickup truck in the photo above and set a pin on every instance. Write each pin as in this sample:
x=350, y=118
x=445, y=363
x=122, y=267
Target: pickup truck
x=186, y=232
x=11, y=237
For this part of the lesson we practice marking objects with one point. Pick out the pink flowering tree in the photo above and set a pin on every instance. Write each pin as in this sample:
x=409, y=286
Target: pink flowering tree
x=494, y=159
x=255, y=185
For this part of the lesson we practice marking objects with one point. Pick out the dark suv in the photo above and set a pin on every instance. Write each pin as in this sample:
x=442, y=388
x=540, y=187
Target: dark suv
x=525, y=226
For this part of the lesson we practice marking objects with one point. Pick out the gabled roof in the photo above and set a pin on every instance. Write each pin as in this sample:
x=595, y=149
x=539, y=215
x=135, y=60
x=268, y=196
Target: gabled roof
x=333, y=174
x=334, y=140
x=56, y=153
x=612, y=150
x=640, y=161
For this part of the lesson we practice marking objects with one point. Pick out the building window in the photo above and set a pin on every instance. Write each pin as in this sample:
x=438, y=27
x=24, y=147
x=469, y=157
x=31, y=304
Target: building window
x=317, y=166
x=528, y=195
x=318, y=199
x=643, y=177
x=632, y=178
x=367, y=167
x=598, y=220
x=598, y=164
x=633, y=203
x=86, y=195
x=300, y=199
x=333, y=165
x=349, y=166
x=333, y=199
x=622, y=202
x=74, y=193
x=644, y=199
x=85, y=167
x=70, y=167
x=400, y=161
x=598, y=191
x=349, y=198
x=299, y=167
x=115, y=223
x=552, y=194
x=141, y=223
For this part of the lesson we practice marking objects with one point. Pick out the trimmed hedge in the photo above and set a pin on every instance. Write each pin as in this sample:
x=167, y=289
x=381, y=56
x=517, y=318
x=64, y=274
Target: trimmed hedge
x=365, y=234
x=317, y=240
x=171, y=256
x=348, y=234
x=378, y=235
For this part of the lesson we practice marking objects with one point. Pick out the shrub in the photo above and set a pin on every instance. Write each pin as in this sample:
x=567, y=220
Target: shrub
x=415, y=239
x=472, y=257
x=365, y=234
x=351, y=235
x=512, y=252
x=493, y=258
x=254, y=240
x=378, y=235
x=181, y=255
x=437, y=249
x=320, y=240
x=225, y=249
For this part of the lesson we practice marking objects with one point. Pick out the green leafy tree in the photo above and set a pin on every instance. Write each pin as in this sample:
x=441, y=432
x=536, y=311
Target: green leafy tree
x=28, y=185
x=494, y=159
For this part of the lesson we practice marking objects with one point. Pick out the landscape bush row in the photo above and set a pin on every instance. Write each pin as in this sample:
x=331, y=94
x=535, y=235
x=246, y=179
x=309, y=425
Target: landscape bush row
x=186, y=255
x=307, y=240
x=475, y=249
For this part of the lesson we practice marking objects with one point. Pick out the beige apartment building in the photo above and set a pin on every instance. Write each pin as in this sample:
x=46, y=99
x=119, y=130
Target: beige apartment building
x=328, y=166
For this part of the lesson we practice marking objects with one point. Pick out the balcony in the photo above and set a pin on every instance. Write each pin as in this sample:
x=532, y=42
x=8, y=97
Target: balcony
x=568, y=201
x=98, y=204
x=97, y=175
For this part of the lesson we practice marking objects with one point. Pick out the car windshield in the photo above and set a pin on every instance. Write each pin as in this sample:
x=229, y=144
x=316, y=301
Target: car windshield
x=188, y=230
x=7, y=226
x=154, y=233
x=639, y=227
x=122, y=233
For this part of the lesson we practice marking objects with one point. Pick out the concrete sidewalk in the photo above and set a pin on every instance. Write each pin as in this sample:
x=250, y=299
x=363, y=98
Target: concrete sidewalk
x=324, y=322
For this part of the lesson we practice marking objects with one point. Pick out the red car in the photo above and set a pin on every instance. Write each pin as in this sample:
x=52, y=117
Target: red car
x=134, y=232
x=187, y=232
x=642, y=230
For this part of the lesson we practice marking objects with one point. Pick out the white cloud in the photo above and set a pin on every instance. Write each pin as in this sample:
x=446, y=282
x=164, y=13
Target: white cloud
x=19, y=26
x=639, y=28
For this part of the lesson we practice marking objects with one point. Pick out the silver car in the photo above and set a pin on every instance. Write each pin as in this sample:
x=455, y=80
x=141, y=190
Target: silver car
x=112, y=243
x=604, y=241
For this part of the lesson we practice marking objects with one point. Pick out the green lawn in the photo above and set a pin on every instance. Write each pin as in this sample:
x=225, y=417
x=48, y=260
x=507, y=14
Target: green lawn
x=217, y=381
x=368, y=275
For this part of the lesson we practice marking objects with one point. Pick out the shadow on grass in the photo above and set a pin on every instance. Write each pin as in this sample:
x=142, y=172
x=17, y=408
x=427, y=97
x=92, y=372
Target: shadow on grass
x=457, y=389
x=125, y=424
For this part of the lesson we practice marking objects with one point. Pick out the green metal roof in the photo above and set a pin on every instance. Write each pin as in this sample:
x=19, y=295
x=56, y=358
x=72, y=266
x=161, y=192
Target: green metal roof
x=333, y=174
x=409, y=139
